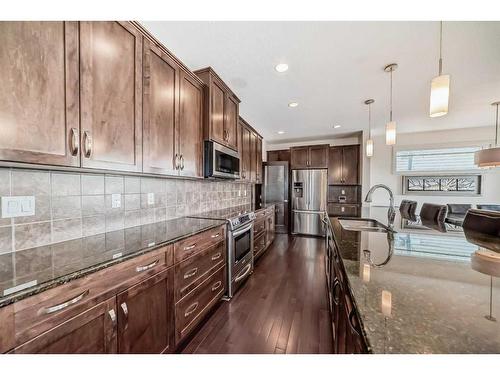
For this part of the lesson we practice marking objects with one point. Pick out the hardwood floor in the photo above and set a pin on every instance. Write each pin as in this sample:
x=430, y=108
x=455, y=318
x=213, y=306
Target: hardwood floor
x=281, y=309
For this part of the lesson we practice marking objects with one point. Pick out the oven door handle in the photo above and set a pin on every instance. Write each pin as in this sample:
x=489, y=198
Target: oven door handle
x=244, y=274
x=242, y=230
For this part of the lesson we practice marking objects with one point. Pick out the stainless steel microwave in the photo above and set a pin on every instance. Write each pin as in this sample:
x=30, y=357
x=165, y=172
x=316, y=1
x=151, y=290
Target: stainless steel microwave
x=220, y=161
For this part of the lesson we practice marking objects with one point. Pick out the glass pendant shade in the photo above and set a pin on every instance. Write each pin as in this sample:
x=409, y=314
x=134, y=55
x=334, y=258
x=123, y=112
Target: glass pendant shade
x=440, y=94
x=369, y=148
x=390, y=133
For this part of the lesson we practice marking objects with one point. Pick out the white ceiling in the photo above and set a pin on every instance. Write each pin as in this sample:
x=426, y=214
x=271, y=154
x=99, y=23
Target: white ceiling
x=335, y=66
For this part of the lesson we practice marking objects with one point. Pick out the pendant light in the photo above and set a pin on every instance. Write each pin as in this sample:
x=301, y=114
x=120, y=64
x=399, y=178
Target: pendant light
x=390, y=128
x=440, y=86
x=490, y=157
x=369, y=141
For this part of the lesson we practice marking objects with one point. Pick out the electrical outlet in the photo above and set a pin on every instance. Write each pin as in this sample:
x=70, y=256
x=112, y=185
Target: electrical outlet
x=18, y=206
x=151, y=198
x=116, y=200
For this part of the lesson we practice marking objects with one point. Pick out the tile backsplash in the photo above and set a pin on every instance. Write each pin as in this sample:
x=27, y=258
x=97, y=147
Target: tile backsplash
x=75, y=205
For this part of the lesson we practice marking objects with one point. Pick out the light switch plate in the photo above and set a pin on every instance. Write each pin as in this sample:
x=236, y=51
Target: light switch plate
x=116, y=200
x=151, y=198
x=18, y=206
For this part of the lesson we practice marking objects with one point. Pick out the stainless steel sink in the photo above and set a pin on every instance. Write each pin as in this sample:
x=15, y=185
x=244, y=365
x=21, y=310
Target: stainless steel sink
x=363, y=225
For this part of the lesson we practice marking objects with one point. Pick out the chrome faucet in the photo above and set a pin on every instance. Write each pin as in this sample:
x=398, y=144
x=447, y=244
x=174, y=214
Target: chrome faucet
x=391, y=213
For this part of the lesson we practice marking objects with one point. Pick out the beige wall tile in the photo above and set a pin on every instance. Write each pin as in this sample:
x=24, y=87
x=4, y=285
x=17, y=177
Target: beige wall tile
x=114, y=184
x=31, y=235
x=5, y=239
x=28, y=262
x=4, y=182
x=67, y=229
x=6, y=267
x=92, y=184
x=92, y=205
x=132, y=185
x=115, y=220
x=30, y=182
x=66, y=184
x=93, y=225
x=132, y=202
x=66, y=207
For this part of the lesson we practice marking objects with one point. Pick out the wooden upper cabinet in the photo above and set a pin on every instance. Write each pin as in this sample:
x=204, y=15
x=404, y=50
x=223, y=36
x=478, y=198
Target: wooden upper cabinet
x=245, y=152
x=191, y=126
x=231, y=122
x=145, y=316
x=343, y=165
x=350, y=164
x=111, y=95
x=253, y=156
x=91, y=332
x=217, y=102
x=258, y=160
x=304, y=157
x=160, y=99
x=220, y=111
x=299, y=157
x=318, y=156
x=278, y=155
x=39, y=111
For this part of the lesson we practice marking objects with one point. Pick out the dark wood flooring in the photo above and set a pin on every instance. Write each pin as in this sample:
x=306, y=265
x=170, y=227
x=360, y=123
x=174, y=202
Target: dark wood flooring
x=282, y=308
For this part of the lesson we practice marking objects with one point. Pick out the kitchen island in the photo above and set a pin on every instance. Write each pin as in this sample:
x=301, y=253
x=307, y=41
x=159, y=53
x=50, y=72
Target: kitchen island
x=413, y=289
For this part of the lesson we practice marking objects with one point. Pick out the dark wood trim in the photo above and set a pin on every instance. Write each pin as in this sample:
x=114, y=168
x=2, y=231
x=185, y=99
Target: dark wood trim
x=209, y=70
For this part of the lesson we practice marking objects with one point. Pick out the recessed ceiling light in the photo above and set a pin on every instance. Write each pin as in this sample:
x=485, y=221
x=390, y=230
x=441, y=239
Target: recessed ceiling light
x=293, y=104
x=281, y=132
x=337, y=126
x=281, y=68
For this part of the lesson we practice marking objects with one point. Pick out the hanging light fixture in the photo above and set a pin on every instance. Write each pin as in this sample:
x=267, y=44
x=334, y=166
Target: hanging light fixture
x=390, y=128
x=369, y=141
x=490, y=157
x=440, y=85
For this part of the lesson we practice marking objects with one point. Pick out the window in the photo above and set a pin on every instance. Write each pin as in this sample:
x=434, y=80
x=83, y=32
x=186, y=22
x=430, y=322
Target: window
x=445, y=185
x=436, y=159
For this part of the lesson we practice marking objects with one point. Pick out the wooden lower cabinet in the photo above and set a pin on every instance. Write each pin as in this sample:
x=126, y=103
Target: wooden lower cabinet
x=347, y=210
x=191, y=309
x=264, y=230
x=145, y=316
x=91, y=332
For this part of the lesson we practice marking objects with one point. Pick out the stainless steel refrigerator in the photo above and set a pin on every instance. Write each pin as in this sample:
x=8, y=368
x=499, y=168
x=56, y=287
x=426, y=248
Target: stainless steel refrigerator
x=309, y=190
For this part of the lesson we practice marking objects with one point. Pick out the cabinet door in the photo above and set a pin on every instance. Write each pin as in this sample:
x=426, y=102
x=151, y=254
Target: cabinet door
x=231, y=122
x=253, y=156
x=160, y=96
x=191, y=127
x=258, y=161
x=350, y=164
x=217, y=98
x=39, y=113
x=335, y=165
x=246, y=151
x=111, y=95
x=299, y=157
x=318, y=156
x=91, y=332
x=145, y=319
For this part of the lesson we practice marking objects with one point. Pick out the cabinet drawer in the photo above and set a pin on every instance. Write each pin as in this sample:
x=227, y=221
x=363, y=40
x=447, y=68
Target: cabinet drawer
x=344, y=194
x=259, y=243
x=34, y=315
x=192, y=271
x=191, y=309
x=260, y=214
x=335, y=209
x=259, y=227
x=194, y=244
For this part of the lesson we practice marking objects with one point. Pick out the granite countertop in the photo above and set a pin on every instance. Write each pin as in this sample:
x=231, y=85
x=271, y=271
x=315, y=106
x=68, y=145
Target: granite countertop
x=31, y=271
x=426, y=298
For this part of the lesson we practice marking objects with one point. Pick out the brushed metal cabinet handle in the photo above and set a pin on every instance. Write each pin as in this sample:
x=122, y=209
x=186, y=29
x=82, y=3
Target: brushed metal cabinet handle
x=191, y=309
x=190, y=247
x=147, y=266
x=176, y=162
x=65, y=304
x=216, y=286
x=182, y=162
x=112, y=315
x=215, y=235
x=190, y=273
x=87, y=144
x=216, y=256
x=244, y=274
x=124, y=308
x=74, y=142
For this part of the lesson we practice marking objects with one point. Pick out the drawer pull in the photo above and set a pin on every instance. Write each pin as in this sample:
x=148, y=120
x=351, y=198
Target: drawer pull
x=215, y=235
x=216, y=256
x=190, y=273
x=147, y=266
x=248, y=267
x=191, y=309
x=190, y=247
x=112, y=315
x=61, y=306
x=216, y=286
